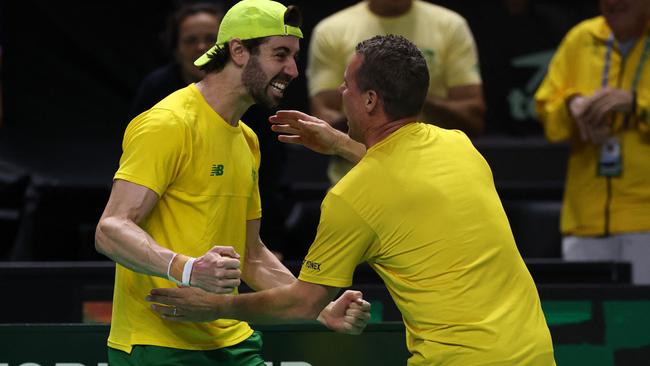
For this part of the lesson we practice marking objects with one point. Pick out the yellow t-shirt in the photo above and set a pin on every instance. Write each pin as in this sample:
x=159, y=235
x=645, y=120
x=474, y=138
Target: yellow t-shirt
x=441, y=34
x=422, y=210
x=205, y=174
x=596, y=205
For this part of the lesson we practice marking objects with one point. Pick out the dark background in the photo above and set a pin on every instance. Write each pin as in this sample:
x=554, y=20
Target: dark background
x=71, y=68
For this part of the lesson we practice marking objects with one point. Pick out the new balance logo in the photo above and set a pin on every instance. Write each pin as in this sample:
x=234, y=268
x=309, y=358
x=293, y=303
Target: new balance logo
x=216, y=170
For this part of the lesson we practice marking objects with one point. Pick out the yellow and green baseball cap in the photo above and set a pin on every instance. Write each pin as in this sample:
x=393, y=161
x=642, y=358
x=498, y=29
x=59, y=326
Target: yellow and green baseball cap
x=250, y=19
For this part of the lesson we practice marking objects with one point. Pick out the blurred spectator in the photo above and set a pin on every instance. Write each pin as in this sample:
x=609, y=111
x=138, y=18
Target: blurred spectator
x=191, y=31
x=596, y=95
x=455, y=98
x=513, y=63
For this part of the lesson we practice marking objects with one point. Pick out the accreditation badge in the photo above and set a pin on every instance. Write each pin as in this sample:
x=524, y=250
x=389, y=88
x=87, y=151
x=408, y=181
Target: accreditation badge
x=610, y=163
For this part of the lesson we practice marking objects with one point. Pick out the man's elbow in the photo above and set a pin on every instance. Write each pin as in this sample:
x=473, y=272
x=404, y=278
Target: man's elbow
x=102, y=237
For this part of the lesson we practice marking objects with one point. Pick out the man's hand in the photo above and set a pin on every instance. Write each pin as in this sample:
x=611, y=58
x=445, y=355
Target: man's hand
x=186, y=304
x=217, y=270
x=591, y=113
x=299, y=128
x=349, y=314
x=577, y=106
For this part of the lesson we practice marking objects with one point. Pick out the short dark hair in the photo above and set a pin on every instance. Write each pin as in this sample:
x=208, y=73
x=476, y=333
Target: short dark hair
x=395, y=69
x=219, y=57
x=171, y=34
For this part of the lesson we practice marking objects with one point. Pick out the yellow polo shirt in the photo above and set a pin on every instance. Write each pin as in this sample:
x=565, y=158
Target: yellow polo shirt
x=205, y=174
x=422, y=210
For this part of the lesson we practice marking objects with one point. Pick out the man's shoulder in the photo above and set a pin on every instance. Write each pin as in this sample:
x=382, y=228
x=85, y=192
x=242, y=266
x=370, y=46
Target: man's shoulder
x=157, y=120
x=170, y=112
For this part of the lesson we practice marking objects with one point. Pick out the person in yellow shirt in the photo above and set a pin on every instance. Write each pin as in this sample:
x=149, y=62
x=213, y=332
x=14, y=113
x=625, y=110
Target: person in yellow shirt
x=421, y=208
x=454, y=98
x=185, y=204
x=596, y=96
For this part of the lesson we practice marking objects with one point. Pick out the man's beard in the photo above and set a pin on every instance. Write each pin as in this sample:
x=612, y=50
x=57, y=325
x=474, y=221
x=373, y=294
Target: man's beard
x=255, y=81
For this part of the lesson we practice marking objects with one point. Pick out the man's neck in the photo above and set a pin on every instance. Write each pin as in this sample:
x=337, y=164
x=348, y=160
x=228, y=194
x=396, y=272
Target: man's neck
x=226, y=95
x=375, y=135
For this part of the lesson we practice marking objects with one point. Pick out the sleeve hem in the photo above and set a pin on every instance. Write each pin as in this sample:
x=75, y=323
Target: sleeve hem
x=139, y=181
x=324, y=280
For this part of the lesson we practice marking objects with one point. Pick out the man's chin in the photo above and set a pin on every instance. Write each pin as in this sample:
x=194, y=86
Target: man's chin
x=268, y=101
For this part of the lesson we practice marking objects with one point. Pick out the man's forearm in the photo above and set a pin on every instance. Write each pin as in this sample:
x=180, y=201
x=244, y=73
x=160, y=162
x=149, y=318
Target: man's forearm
x=265, y=271
x=283, y=304
x=262, y=269
x=127, y=244
x=349, y=149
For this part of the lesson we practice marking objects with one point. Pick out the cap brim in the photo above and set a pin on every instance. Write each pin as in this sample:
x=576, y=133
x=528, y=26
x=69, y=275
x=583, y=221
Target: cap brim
x=204, y=59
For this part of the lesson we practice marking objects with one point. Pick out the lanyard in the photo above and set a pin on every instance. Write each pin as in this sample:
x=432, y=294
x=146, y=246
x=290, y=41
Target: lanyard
x=639, y=66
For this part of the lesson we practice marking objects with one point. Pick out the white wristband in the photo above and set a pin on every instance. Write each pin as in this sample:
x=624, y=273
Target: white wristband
x=187, y=271
x=169, y=267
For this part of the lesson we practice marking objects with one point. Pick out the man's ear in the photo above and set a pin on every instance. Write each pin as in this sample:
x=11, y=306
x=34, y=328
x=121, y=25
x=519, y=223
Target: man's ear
x=371, y=100
x=238, y=52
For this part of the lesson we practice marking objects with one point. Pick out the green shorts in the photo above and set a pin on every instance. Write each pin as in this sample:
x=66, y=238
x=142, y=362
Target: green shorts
x=246, y=353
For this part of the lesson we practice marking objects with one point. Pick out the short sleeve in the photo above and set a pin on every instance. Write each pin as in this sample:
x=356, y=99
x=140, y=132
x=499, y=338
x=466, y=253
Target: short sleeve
x=343, y=240
x=154, y=149
x=462, y=65
x=325, y=62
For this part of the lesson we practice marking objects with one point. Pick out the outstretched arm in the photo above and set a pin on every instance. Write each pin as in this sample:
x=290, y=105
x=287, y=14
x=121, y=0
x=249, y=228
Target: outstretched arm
x=299, y=128
x=298, y=301
x=262, y=270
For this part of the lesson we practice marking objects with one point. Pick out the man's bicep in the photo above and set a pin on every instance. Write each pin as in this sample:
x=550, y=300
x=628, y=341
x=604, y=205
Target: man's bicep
x=130, y=200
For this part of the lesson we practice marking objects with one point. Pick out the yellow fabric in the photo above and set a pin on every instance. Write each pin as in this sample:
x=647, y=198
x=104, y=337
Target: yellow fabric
x=442, y=35
x=577, y=68
x=175, y=149
x=422, y=210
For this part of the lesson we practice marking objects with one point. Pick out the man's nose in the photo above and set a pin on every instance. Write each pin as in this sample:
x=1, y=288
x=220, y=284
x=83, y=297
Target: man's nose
x=291, y=68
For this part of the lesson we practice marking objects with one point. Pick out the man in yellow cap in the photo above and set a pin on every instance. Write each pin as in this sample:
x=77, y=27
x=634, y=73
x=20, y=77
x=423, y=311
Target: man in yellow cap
x=185, y=205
